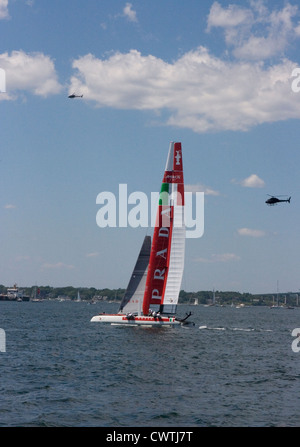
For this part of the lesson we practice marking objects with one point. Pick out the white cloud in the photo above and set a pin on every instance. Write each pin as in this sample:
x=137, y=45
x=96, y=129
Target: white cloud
x=33, y=72
x=224, y=257
x=250, y=232
x=4, y=9
x=130, y=13
x=253, y=181
x=201, y=188
x=92, y=255
x=9, y=206
x=231, y=16
x=255, y=33
x=199, y=91
x=58, y=265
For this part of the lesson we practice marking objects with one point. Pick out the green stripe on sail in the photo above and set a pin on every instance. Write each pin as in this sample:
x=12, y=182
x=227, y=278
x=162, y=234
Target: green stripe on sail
x=164, y=194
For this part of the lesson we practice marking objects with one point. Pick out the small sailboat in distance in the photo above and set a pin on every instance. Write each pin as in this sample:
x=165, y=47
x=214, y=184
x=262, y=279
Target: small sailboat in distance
x=153, y=290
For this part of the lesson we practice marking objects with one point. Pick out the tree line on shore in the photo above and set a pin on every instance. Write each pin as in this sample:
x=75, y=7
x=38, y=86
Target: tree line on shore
x=200, y=297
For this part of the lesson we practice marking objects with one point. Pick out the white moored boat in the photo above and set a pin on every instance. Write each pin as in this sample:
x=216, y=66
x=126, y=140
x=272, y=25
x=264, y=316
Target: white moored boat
x=152, y=294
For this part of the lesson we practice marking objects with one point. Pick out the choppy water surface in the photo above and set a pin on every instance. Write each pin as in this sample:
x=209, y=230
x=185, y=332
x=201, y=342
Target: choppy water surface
x=236, y=367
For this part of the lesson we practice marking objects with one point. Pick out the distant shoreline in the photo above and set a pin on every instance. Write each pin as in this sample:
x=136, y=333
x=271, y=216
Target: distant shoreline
x=91, y=294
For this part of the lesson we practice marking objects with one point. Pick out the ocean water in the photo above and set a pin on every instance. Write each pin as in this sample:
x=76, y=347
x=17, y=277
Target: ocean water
x=234, y=368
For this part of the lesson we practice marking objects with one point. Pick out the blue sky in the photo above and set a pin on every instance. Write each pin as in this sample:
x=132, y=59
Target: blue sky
x=216, y=76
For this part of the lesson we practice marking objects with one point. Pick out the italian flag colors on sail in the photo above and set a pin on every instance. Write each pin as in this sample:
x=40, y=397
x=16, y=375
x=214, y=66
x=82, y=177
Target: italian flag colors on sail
x=167, y=252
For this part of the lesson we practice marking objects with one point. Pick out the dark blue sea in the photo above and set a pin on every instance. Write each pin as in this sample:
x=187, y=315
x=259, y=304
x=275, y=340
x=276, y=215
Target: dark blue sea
x=234, y=368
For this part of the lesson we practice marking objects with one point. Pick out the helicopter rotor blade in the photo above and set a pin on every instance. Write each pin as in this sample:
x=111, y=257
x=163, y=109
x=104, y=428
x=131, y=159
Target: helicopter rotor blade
x=283, y=195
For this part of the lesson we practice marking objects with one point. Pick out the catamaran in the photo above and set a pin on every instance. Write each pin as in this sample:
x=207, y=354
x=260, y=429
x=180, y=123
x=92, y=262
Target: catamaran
x=153, y=290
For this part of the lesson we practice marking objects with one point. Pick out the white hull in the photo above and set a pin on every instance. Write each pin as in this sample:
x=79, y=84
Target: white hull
x=119, y=319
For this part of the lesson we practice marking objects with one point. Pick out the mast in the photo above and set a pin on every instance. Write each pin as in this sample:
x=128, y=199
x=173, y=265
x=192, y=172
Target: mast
x=167, y=252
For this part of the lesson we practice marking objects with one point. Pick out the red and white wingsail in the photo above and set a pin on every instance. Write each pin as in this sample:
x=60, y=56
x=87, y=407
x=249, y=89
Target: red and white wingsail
x=156, y=279
x=166, y=263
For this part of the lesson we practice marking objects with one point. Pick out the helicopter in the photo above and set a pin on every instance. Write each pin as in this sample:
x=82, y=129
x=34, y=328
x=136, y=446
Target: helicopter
x=75, y=96
x=274, y=200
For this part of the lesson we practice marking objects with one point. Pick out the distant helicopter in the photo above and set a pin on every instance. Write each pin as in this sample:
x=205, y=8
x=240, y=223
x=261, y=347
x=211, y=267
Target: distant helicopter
x=75, y=96
x=274, y=200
